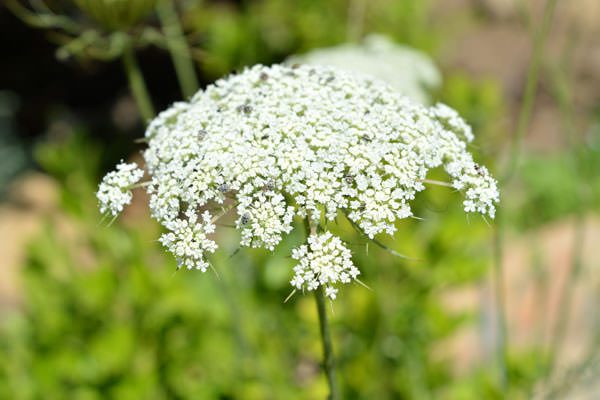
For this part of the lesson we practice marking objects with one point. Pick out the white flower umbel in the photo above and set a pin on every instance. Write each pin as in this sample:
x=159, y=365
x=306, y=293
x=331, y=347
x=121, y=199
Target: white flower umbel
x=315, y=142
x=407, y=70
x=114, y=191
x=325, y=262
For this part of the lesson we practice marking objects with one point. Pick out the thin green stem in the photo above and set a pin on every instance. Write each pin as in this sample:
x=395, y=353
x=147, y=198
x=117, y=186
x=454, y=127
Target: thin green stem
x=563, y=96
x=567, y=291
x=523, y=122
x=178, y=47
x=356, y=19
x=328, y=357
x=530, y=88
x=500, y=298
x=137, y=84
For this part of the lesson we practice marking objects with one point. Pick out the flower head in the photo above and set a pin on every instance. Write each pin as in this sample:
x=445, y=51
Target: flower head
x=407, y=70
x=310, y=141
x=325, y=261
x=114, y=191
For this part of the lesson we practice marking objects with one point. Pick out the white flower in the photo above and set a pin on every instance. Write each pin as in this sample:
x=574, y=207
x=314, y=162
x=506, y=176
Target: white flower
x=407, y=70
x=263, y=218
x=315, y=142
x=188, y=240
x=325, y=262
x=114, y=192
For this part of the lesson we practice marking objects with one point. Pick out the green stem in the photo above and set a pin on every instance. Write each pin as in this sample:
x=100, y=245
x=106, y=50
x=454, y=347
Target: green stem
x=530, y=88
x=566, y=295
x=523, y=121
x=137, y=84
x=563, y=96
x=328, y=358
x=500, y=298
x=177, y=44
x=356, y=19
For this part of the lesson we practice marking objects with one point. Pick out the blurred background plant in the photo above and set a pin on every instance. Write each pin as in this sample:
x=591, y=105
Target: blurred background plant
x=96, y=312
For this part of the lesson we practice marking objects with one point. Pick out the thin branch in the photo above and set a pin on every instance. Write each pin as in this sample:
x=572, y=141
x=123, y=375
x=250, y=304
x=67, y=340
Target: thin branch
x=378, y=243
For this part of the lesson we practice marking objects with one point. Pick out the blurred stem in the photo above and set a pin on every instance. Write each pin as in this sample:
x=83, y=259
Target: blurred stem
x=531, y=84
x=178, y=47
x=328, y=358
x=237, y=321
x=523, y=121
x=567, y=292
x=562, y=94
x=500, y=300
x=42, y=19
x=356, y=19
x=137, y=84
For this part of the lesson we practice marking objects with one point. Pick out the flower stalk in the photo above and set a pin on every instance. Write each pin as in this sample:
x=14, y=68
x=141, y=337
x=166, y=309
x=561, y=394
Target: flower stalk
x=328, y=356
x=136, y=84
x=523, y=122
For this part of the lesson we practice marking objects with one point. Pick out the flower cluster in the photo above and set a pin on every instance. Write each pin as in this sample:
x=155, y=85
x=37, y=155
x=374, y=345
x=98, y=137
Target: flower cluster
x=187, y=239
x=407, y=70
x=114, y=191
x=324, y=262
x=315, y=142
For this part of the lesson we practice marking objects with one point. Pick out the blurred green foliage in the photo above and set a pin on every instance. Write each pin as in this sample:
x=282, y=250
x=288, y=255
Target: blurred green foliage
x=539, y=199
x=106, y=315
x=235, y=34
x=481, y=104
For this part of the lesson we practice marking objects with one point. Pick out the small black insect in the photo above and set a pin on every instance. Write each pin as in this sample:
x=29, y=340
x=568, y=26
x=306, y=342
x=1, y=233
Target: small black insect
x=366, y=138
x=270, y=186
x=264, y=76
x=478, y=169
x=349, y=178
x=245, y=219
x=246, y=109
x=224, y=188
x=201, y=134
